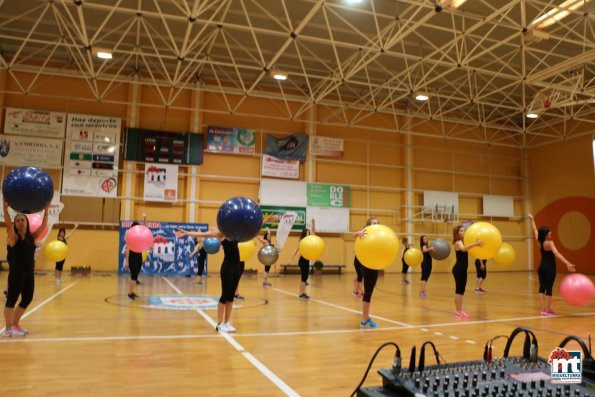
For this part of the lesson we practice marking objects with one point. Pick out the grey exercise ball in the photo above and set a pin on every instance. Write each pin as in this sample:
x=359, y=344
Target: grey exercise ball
x=442, y=249
x=268, y=255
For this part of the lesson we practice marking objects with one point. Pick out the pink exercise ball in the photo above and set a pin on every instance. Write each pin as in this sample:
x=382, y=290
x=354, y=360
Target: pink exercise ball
x=139, y=238
x=577, y=289
x=35, y=221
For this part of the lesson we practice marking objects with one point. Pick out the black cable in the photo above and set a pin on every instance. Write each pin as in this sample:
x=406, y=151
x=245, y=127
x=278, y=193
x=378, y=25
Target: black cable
x=422, y=355
x=396, y=363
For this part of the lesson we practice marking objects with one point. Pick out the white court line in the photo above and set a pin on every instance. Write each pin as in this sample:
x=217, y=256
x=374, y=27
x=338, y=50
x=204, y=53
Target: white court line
x=284, y=387
x=106, y=338
x=257, y=335
x=388, y=320
x=36, y=308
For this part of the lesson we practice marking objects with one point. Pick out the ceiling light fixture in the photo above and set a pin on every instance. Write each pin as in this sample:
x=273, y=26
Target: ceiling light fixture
x=279, y=75
x=532, y=115
x=102, y=53
x=353, y=1
x=452, y=3
x=422, y=97
x=557, y=13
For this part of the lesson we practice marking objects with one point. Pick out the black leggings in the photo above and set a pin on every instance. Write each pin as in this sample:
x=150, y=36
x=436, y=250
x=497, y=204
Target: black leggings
x=358, y=269
x=370, y=278
x=304, y=268
x=426, y=270
x=135, y=270
x=481, y=273
x=405, y=267
x=547, y=276
x=267, y=268
x=460, y=274
x=20, y=284
x=230, y=279
x=201, y=264
x=60, y=265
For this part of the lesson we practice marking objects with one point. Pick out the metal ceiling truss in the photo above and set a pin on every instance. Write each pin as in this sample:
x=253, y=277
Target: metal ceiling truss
x=483, y=65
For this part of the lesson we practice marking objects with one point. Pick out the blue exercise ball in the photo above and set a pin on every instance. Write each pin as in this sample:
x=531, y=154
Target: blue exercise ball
x=211, y=245
x=28, y=189
x=239, y=219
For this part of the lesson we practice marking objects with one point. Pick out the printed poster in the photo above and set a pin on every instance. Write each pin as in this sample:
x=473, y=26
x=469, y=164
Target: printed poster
x=40, y=123
x=169, y=255
x=298, y=223
x=272, y=166
x=326, y=146
x=161, y=182
x=324, y=195
x=37, y=152
x=231, y=140
x=91, y=156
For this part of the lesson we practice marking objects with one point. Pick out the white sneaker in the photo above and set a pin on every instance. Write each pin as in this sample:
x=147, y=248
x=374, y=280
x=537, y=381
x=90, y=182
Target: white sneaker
x=229, y=327
x=221, y=327
x=7, y=332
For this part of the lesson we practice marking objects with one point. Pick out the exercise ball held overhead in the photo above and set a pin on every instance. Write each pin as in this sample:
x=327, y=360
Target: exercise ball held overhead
x=441, y=249
x=268, y=255
x=239, y=219
x=311, y=247
x=35, y=221
x=139, y=238
x=28, y=189
x=488, y=234
x=378, y=248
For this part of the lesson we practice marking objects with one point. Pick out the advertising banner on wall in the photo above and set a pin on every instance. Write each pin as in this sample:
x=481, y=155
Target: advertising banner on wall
x=161, y=182
x=326, y=146
x=38, y=152
x=272, y=166
x=91, y=156
x=40, y=123
x=298, y=224
x=169, y=255
x=231, y=140
x=291, y=148
x=324, y=195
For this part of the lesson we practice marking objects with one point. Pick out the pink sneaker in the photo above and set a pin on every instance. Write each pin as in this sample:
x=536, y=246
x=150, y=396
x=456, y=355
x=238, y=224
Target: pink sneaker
x=550, y=312
x=462, y=315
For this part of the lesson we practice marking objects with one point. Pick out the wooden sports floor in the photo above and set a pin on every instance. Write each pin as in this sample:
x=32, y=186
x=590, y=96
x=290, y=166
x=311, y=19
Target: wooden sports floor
x=87, y=339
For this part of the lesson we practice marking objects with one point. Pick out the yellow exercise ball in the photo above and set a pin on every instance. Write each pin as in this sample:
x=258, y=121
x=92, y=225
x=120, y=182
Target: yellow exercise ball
x=56, y=251
x=486, y=233
x=144, y=255
x=413, y=257
x=247, y=249
x=378, y=248
x=311, y=247
x=505, y=256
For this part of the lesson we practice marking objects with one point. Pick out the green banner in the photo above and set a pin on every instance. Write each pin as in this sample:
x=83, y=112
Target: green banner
x=300, y=222
x=323, y=195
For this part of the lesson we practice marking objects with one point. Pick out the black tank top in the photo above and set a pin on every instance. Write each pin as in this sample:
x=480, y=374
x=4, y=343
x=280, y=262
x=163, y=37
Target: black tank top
x=21, y=257
x=462, y=259
x=231, y=252
x=63, y=239
x=548, y=259
x=427, y=257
